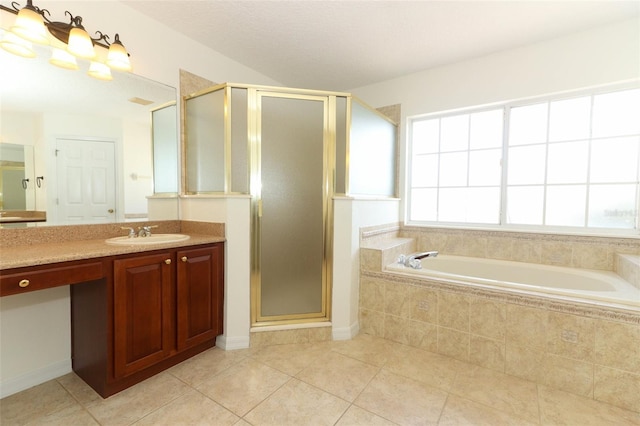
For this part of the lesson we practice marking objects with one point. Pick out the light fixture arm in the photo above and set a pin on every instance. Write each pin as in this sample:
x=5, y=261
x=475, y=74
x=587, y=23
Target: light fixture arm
x=61, y=30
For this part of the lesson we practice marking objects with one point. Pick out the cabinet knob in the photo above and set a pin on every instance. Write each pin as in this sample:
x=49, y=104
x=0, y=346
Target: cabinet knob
x=23, y=283
x=184, y=258
x=168, y=261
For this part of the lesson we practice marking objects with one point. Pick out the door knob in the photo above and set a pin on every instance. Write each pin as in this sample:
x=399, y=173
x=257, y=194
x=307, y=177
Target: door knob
x=24, y=283
x=110, y=210
x=184, y=258
x=168, y=261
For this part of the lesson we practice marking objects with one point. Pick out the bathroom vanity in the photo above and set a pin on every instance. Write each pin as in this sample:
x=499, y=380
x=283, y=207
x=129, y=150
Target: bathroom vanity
x=135, y=311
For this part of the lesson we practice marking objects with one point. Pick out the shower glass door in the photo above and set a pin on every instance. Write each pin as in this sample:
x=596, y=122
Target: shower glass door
x=291, y=197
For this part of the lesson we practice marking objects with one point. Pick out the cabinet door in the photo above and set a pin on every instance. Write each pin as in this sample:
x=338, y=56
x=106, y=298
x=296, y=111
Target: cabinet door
x=143, y=311
x=200, y=295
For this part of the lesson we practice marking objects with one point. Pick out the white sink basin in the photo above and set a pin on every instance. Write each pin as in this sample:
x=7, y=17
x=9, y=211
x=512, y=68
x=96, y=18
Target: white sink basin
x=152, y=239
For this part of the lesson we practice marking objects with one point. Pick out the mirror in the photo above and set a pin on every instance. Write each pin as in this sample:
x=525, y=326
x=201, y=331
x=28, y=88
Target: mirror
x=16, y=177
x=62, y=113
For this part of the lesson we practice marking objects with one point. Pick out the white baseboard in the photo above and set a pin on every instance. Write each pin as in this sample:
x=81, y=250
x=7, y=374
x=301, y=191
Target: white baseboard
x=34, y=378
x=346, y=333
x=229, y=343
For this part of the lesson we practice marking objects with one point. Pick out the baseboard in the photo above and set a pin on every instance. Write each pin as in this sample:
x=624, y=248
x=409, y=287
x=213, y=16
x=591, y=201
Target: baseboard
x=34, y=378
x=346, y=333
x=231, y=343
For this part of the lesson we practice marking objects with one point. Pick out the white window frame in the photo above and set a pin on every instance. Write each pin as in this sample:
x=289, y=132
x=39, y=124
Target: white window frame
x=502, y=225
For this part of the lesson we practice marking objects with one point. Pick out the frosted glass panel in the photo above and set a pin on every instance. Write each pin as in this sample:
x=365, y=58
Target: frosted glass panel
x=372, y=153
x=205, y=143
x=239, y=142
x=165, y=149
x=341, y=145
x=292, y=206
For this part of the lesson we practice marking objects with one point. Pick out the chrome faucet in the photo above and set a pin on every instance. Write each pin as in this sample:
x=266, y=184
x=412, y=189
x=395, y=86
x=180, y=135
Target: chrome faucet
x=413, y=260
x=132, y=233
x=145, y=231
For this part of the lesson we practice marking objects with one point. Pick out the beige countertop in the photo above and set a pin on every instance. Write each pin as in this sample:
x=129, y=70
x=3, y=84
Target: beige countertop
x=54, y=252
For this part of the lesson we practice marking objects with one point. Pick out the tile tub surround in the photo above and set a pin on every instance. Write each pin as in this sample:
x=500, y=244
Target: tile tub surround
x=585, y=349
x=628, y=267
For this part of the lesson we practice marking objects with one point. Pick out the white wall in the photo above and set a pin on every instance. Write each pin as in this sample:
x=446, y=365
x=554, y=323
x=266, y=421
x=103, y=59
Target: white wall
x=350, y=215
x=590, y=58
x=158, y=53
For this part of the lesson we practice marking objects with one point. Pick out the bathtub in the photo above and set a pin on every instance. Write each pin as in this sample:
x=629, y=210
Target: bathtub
x=602, y=286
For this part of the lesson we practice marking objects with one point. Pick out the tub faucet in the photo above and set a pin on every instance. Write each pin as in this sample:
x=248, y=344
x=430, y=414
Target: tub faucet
x=413, y=260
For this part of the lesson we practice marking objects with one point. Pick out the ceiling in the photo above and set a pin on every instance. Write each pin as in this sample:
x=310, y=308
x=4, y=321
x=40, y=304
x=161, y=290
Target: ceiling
x=342, y=45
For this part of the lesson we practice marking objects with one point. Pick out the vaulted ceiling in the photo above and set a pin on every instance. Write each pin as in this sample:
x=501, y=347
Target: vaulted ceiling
x=341, y=45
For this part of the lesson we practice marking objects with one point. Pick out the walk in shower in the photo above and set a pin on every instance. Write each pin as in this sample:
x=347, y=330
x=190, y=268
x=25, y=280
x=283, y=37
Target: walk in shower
x=292, y=151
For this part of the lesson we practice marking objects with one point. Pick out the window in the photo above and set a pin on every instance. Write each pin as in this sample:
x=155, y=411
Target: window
x=570, y=162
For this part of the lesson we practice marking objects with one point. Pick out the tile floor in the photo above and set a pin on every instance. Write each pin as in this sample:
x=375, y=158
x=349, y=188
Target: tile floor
x=365, y=381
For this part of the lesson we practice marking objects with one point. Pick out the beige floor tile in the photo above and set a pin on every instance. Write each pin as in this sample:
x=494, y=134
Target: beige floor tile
x=298, y=404
x=364, y=347
x=427, y=367
x=460, y=412
x=562, y=408
x=291, y=359
x=35, y=403
x=138, y=401
x=500, y=391
x=339, y=375
x=409, y=388
x=80, y=390
x=192, y=408
x=402, y=400
x=243, y=386
x=356, y=416
x=202, y=366
x=70, y=416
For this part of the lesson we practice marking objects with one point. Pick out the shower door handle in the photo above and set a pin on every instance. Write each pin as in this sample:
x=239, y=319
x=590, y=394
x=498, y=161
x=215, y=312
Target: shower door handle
x=259, y=208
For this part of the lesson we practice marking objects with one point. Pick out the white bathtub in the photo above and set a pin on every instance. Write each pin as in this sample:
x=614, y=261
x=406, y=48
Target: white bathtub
x=528, y=277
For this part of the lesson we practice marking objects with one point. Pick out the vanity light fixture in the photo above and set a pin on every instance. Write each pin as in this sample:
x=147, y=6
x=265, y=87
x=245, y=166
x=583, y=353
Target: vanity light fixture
x=68, y=41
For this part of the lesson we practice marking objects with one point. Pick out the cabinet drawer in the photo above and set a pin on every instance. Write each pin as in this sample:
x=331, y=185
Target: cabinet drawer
x=22, y=281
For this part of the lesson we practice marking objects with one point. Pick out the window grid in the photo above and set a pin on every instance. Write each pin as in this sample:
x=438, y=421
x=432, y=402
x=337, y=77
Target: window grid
x=504, y=185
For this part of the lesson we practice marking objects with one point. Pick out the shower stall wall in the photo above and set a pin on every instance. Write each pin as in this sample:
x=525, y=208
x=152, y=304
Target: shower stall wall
x=293, y=151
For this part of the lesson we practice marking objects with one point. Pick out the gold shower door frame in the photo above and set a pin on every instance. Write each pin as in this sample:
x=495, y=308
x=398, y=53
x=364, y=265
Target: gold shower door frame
x=255, y=97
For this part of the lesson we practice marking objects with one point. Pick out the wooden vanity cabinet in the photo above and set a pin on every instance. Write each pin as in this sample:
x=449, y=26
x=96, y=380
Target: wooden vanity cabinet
x=200, y=275
x=144, y=312
x=157, y=309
